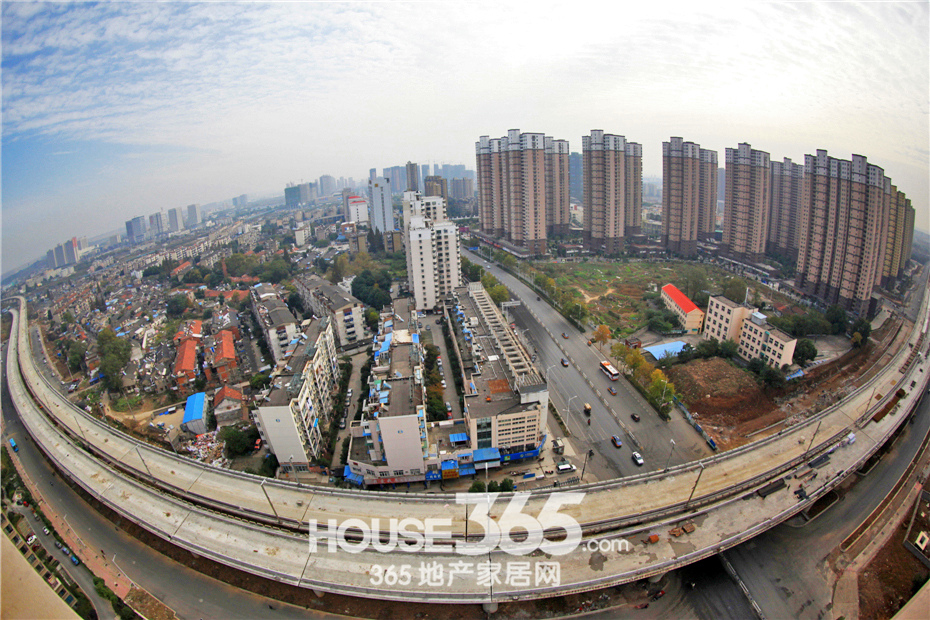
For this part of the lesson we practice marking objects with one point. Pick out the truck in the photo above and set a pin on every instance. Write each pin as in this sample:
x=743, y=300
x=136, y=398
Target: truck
x=587, y=408
x=558, y=446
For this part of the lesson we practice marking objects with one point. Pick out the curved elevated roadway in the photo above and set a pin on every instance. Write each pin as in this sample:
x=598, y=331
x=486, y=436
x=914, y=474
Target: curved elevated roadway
x=202, y=508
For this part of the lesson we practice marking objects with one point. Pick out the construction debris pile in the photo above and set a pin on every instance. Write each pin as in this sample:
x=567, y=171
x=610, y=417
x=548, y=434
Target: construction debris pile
x=209, y=449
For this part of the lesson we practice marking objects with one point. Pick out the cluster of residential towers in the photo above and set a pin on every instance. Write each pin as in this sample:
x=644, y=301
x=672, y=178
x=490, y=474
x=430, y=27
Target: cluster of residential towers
x=843, y=223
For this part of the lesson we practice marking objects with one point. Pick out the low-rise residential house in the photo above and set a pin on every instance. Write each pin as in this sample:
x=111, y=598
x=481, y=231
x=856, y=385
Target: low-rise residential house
x=750, y=330
x=185, y=363
x=227, y=406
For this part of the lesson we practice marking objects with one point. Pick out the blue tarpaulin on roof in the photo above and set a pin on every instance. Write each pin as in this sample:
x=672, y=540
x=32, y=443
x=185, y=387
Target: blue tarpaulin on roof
x=193, y=409
x=386, y=344
x=458, y=437
x=669, y=348
x=416, y=338
x=447, y=465
x=487, y=454
x=348, y=475
x=466, y=470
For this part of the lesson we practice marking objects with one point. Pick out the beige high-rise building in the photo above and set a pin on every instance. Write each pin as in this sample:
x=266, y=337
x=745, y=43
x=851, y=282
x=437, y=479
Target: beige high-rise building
x=558, y=217
x=604, y=187
x=842, y=230
x=514, y=190
x=900, y=235
x=436, y=186
x=433, y=258
x=784, y=208
x=633, y=205
x=689, y=181
x=746, y=203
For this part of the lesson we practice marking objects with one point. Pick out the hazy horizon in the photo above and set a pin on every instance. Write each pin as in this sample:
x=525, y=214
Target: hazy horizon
x=116, y=110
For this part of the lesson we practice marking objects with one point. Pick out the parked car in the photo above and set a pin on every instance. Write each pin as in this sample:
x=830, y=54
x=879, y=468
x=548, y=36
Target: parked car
x=448, y=406
x=66, y=551
x=75, y=560
x=612, y=391
x=58, y=544
x=45, y=531
x=342, y=423
x=564, y=362
x=31, y=539
x=616, y=441
x=443, y=384
x=638, y=459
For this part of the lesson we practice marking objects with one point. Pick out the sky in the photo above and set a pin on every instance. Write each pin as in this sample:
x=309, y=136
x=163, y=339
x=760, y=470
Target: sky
x=113, y=110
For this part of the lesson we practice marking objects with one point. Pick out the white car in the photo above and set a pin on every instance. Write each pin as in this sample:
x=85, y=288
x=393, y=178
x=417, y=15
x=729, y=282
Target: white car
x=638, y=459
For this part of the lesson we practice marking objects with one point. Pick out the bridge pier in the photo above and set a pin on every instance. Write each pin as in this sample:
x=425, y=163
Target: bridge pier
x=319, y=593
x=657, y=578
x=489, y=608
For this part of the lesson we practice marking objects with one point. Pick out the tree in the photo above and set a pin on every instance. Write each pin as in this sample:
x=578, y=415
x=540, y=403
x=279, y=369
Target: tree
x=493, y=486
x=114, y=355
x=601, y=335
x=199, y=294
x=76, y=352
x=804, y=351
x=695, y=280
x=734, y=289
x=177, y=304
x=635, y=359
x=864, y=329
x=708, y=348
x=67, y=318
x=477, y=487
x=372, y=317
x=509, y=262
x=728, y=349
x=506, y=486
x=259, y=381
x=836, y=316
x=498, y=293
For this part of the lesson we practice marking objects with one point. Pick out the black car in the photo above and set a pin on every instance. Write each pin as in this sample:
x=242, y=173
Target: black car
x=635, y=417
x=564, y=362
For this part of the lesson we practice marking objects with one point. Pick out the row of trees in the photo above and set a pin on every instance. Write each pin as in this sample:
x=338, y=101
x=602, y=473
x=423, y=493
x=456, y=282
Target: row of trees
x=654, y=383
x=373, y=288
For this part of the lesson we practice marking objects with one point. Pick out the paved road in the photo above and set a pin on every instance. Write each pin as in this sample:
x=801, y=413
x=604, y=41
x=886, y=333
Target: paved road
x=784, y=568
x=652, y=432
x=191, y=594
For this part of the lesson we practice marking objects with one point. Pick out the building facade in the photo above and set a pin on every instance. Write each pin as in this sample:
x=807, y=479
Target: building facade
x=689, y=195
x=842, y=230
x=346, y=313
x=746, y=204
x=515, y=189
x=380, y=205
x=754, y=336
x=613, y=191
x=689, y=315
x=785, y=206
x=433, y=257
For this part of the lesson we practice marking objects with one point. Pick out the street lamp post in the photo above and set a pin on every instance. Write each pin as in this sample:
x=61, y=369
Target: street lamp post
x=668, y=462
x=694, y=488
x=585, y=466
x=569, y=406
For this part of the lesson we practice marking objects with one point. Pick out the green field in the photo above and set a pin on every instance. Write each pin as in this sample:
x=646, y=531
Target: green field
x=613, y=292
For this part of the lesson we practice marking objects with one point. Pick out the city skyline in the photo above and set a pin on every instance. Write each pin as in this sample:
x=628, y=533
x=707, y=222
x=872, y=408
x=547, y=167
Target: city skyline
x=118, y=111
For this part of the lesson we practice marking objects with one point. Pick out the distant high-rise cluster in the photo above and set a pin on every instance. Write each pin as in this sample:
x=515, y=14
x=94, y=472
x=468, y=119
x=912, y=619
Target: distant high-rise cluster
x=523, y=188
x=67, y=253
x=380, y=205
x=612, y=190
x=843, y=223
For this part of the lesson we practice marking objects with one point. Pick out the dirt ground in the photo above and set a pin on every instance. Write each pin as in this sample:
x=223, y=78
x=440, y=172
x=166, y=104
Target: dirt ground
x=735, y=410
x=892, y=577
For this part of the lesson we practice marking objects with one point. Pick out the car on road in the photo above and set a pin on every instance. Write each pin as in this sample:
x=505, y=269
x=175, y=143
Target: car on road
x=448, y=406
x=635, y=417
x=616, y=441
x=31, y=539
x=58, y=544
x=75, y=561
x=342, y=423
x=66, y=551
x=612, y=391
x=45, y=531
x=428, y=328
x=443, y=384
x=564, y=335
x=638, y=459
x=564, y=362
x=537, y=298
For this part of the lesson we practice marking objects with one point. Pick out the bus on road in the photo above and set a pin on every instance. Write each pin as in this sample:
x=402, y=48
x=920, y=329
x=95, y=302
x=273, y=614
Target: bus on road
x=612, y=373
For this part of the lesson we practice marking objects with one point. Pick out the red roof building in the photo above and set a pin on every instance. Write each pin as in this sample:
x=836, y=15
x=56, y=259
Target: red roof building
x=689, y=315
x=185, y=363
x=224, y=355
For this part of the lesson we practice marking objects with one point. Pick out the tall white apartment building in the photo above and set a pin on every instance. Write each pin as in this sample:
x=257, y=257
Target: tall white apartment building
x=381, y=211
x=175, y=219
x=433, y=260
